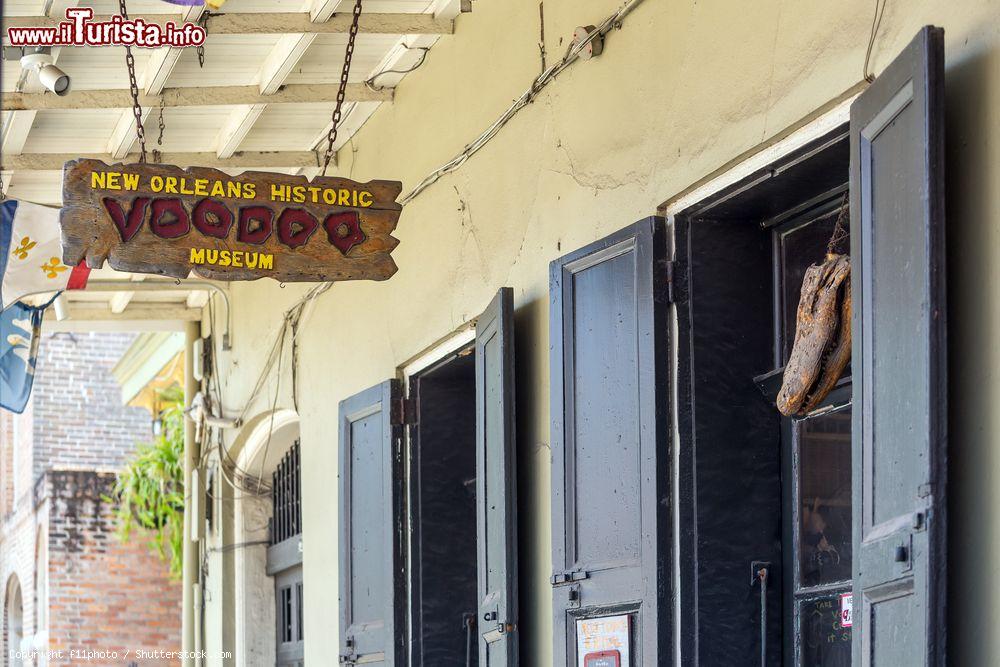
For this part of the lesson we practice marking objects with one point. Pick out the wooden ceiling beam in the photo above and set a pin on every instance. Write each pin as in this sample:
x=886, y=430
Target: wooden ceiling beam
x=191, y=97
x=261, y=23
x=240, y=160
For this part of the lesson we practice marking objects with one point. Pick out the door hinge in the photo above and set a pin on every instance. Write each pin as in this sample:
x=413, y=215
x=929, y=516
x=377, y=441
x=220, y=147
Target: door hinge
x=404, y=412
x=568, y=577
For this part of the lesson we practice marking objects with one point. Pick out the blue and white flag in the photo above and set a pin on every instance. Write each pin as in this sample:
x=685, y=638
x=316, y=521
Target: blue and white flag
x=20, y=331
x=31, y=253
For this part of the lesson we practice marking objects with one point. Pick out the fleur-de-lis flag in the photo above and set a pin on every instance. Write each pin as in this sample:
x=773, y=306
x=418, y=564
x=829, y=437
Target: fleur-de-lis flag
x=31, y=253
x=20, y=331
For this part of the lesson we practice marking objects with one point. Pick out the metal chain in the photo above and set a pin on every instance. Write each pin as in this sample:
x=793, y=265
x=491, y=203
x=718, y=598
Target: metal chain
x=140, y=132
x=3, y=192
x=200, y=50
x=342, y=91
x=159, y=139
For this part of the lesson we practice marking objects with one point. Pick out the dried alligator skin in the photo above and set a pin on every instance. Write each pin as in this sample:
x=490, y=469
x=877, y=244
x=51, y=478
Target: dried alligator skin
x=838, y=357
x=822, y=346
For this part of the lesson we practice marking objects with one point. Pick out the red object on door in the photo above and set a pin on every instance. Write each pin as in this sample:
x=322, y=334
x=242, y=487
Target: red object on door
x=603, y=659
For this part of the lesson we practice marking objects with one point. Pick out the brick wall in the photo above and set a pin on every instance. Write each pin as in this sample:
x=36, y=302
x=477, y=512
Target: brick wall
x=55, y=463
x=104, y=595
x=79, y=420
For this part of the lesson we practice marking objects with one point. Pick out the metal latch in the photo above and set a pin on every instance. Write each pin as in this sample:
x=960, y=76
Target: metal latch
x=350, y=656
x=568, y=577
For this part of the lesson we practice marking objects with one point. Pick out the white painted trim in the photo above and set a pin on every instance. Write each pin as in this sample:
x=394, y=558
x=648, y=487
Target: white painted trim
x=254, y=434
x=144, y=361
x=450, y=345
x=825, y=123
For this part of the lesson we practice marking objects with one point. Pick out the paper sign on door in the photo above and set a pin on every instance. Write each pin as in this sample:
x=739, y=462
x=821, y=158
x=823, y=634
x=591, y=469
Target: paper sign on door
x=604, y=642
x=846, y=609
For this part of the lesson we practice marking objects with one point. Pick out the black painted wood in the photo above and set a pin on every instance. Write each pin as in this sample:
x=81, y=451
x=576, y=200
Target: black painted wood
x=900, y=396
x=730, y=464
x=372, y=587
x=496, y=484
x=718, y=294
x=443, y=513
x=610, y=440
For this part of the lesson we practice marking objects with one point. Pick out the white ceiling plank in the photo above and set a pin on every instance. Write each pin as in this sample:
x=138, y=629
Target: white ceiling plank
x=123, y=137
x=232, y=134
x=163, y=61
x=15, y=131
x=282, y=60
x=353, y=118
x=119, y=300
x=322, y=10
x=446, y=9
x=158, y=69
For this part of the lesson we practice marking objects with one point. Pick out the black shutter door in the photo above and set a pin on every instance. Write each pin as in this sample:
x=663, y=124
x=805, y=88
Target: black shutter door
x=371, y=566
x=609, y=439
x=496, y=483
x=899, y=390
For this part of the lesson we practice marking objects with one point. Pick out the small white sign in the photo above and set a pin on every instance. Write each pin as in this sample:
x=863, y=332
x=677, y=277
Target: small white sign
x=604, y=641
x=846, y=609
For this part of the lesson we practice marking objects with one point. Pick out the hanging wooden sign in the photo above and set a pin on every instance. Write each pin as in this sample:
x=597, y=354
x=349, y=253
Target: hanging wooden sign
x=161, y=219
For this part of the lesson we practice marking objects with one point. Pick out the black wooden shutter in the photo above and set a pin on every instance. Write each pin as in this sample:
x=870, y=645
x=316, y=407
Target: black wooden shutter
x=496, y=483
x=899, y=390
x=610, y=441
x=371, y=565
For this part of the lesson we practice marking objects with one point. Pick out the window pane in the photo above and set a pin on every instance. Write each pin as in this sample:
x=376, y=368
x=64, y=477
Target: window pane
x=825, y=498
x=286, y=615
x=298, y=618
x=800, y=249
x=824, y=641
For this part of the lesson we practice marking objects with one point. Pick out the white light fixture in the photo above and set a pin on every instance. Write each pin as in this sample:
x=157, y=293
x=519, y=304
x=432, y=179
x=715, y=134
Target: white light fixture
x=41, y=61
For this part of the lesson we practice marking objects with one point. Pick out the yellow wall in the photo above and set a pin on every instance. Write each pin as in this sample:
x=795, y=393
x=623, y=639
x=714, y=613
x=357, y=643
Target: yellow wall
x=682, y=89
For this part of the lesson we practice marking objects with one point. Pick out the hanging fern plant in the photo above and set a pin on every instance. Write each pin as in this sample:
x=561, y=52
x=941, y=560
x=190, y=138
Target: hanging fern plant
x=149, y=493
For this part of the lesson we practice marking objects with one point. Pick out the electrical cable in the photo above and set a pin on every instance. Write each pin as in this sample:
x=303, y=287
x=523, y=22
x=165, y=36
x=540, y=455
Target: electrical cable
x=232, y=474
x=370, y=82
x=526, y=98
x=876, y=24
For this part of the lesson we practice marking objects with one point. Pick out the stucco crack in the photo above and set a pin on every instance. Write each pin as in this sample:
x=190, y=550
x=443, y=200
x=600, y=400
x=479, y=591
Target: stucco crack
x=597, y=181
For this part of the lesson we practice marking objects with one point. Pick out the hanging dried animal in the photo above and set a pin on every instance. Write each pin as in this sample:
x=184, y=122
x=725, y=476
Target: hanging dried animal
x=822, y=347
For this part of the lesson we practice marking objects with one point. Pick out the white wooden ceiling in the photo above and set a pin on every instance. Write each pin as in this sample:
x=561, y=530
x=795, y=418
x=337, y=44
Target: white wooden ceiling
x=265, y=62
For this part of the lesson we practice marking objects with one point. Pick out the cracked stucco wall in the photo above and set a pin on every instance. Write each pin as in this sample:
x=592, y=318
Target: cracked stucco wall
x=684, y=88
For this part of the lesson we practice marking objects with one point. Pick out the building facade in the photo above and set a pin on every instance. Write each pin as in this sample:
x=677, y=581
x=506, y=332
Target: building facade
x=552, y=414
x=74, y=593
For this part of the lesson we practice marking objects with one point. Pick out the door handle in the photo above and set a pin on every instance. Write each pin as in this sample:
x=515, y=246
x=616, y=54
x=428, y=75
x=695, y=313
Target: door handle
x=759, y=571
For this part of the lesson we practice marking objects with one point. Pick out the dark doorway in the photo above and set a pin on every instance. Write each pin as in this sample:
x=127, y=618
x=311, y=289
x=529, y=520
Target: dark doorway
x=444, y=596
x=756, y=488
